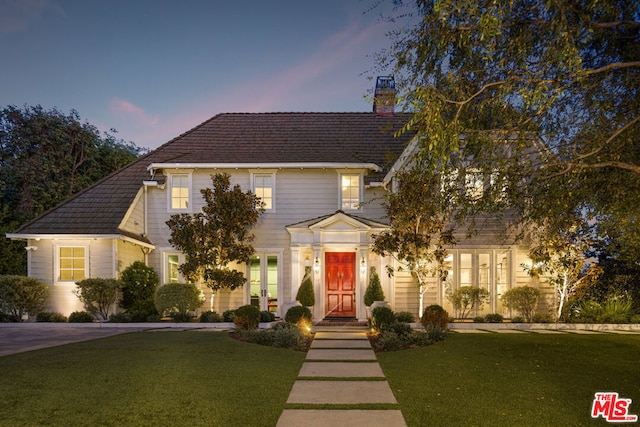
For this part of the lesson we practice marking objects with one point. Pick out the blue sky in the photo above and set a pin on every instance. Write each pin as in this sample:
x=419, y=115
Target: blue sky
x=153, y=69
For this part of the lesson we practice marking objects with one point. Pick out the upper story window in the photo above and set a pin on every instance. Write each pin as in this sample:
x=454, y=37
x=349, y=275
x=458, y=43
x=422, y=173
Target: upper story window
x=264, y=188
x=180, y=190
x=350, y=191
x=72, y=263
x=474, y=183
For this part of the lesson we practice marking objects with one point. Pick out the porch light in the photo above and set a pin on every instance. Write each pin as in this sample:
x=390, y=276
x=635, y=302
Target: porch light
x=363, y=266
x=316, y=266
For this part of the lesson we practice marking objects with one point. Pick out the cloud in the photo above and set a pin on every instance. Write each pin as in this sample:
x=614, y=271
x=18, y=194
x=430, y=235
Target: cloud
x=17, y=15
x=134, y=113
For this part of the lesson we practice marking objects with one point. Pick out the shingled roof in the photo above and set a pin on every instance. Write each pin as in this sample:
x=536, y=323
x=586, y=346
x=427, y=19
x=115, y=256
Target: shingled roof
x=231, y=138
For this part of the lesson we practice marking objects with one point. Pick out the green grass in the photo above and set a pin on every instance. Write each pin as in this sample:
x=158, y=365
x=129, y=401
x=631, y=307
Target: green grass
x=508, y=379
x=148, y=379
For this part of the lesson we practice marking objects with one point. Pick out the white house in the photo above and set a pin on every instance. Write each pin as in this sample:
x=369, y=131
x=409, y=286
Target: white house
x=321, y=176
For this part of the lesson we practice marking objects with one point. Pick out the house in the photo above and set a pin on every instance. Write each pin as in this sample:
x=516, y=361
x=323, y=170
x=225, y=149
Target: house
x=321, y=177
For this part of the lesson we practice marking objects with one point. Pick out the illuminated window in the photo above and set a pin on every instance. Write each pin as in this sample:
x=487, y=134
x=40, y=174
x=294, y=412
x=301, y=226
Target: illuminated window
x=172, y=269
x=72, y=264
x=263, y=187
x=474, y=182
x=179, y=192
x=350, y=192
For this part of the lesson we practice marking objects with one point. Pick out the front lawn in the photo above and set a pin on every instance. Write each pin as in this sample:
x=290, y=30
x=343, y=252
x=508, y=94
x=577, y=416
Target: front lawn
x=523, y=379
x=148, y=379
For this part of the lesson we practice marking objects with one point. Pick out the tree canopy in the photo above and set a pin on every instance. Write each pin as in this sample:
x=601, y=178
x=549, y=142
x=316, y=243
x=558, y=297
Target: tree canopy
x=45, y=157
x=538, y=99
x=218, y=235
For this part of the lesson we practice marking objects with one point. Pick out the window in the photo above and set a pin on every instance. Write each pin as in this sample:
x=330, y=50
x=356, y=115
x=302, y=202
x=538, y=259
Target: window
x=350, y=192
x=72, y=262
x=172, y=268
x=474, y=182
x=263, y=187
x=179, y=192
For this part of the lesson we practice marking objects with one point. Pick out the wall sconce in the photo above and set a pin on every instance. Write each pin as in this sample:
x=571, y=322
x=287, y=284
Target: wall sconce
x=363, y=266
x=316, y=266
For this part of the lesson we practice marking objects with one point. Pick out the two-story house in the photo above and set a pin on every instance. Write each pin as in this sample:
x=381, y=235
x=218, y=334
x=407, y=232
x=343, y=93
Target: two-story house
x=321, y=177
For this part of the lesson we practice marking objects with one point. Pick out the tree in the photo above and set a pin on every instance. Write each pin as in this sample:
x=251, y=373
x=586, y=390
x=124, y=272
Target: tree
x=374, y=290
x=178, y=298
x=98, y=295
x=305, y=294
x=541, y=99
x=219, y=235
x=467, y=298
x=20, y=295
x=522, y=298
x=420, y=227
x=139, y=284
x=45, y=157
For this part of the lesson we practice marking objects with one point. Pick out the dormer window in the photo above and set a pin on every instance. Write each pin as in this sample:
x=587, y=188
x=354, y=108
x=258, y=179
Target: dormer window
x=350, y=191
x=179, y=194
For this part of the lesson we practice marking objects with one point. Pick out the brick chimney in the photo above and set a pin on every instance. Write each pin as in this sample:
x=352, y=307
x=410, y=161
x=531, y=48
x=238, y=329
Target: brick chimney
x=384, y=99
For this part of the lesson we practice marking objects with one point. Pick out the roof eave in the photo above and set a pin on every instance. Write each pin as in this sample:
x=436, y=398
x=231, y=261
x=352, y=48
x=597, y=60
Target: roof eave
x=296, y=165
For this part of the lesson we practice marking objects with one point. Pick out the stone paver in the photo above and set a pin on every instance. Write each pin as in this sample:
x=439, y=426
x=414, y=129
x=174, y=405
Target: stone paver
x=339, y=335
x=341, y=392
x=351, y=417
x=340, y=344
x=341, y=370
x=341, y=354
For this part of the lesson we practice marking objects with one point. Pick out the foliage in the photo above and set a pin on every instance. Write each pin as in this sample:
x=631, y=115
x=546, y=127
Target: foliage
x=382, y=317
x=120, y=318
x=517, y=319
x=467, y=298
x=178, y=298
x=493, y=318
x=210, y=317
x=50, y=316
x=228, y=315
x=374, y=290
x=267, y=316
x=542, y=318
x=20, y=295
x=247, y=317
x=296, y=313
x=217, y=236
x=45, y=157
x=479, y=319
x=399, y=336
x=305, y=295
x=405, y=317
x=435, y=315
x=538, y=97
x=139, y=284
x=524, y=299
x=98, y=295
x=616, y=309
x=80, y=317
x=419, y=228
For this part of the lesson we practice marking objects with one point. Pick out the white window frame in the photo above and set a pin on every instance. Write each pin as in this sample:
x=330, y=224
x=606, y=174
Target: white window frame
x=58, y=247
x=360, y=191
x=170, y=192
x=165, y=266
x=272, y=175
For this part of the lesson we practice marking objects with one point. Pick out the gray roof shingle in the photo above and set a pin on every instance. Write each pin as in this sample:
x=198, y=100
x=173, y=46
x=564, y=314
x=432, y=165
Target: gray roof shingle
x=232, y=138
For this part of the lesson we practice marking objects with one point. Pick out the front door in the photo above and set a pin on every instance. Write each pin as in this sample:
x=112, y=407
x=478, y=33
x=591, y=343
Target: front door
x=340, y=268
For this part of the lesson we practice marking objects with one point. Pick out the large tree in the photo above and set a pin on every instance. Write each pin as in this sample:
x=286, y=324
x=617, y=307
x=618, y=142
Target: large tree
x=541, y=99
x=219, y=235
x=45, y=157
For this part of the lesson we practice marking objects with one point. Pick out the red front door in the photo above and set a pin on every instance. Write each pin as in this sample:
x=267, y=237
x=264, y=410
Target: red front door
x=340, y=282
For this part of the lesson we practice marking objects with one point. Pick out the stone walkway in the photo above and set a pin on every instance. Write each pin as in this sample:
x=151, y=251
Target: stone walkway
x=341, y=369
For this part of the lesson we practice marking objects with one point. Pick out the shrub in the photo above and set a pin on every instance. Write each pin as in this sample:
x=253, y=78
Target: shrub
x=435, y=315
x=283, y=335
x=617, y=309
x=382, y=317
x=542, y=318
x=247, y=317
x=374, y=290
x=587, y=312
x=139, y=285
x=228, y=315
x=466, y=298
x=296, y=313
x=182, y=317
x=493, y=318
x=478, y=319
x=436, y=333
x=405, y=316
x=80, y=317
x=210, y=317
x=267, y=316
x=524, y=299
x=20, y=295
x=120, y=318
x=305, y=294
x=178, y=298
x=50, y=316
x=98, y=295
x=399, y=328
x=517, y=319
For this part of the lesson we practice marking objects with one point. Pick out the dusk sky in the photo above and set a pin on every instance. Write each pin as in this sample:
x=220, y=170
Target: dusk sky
x=153, y=69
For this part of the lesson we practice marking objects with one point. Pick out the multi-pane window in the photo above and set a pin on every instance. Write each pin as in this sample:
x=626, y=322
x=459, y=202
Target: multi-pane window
x=263, y=188
x=350, y=192
x=179, y=191
x=474, y=182
x=72, y=263
x=172, y=268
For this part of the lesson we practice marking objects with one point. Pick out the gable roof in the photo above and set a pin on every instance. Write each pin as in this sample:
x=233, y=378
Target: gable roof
x=231, y=138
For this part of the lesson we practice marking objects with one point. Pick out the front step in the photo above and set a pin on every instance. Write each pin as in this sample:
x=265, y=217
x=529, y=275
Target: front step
x=341, y=321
